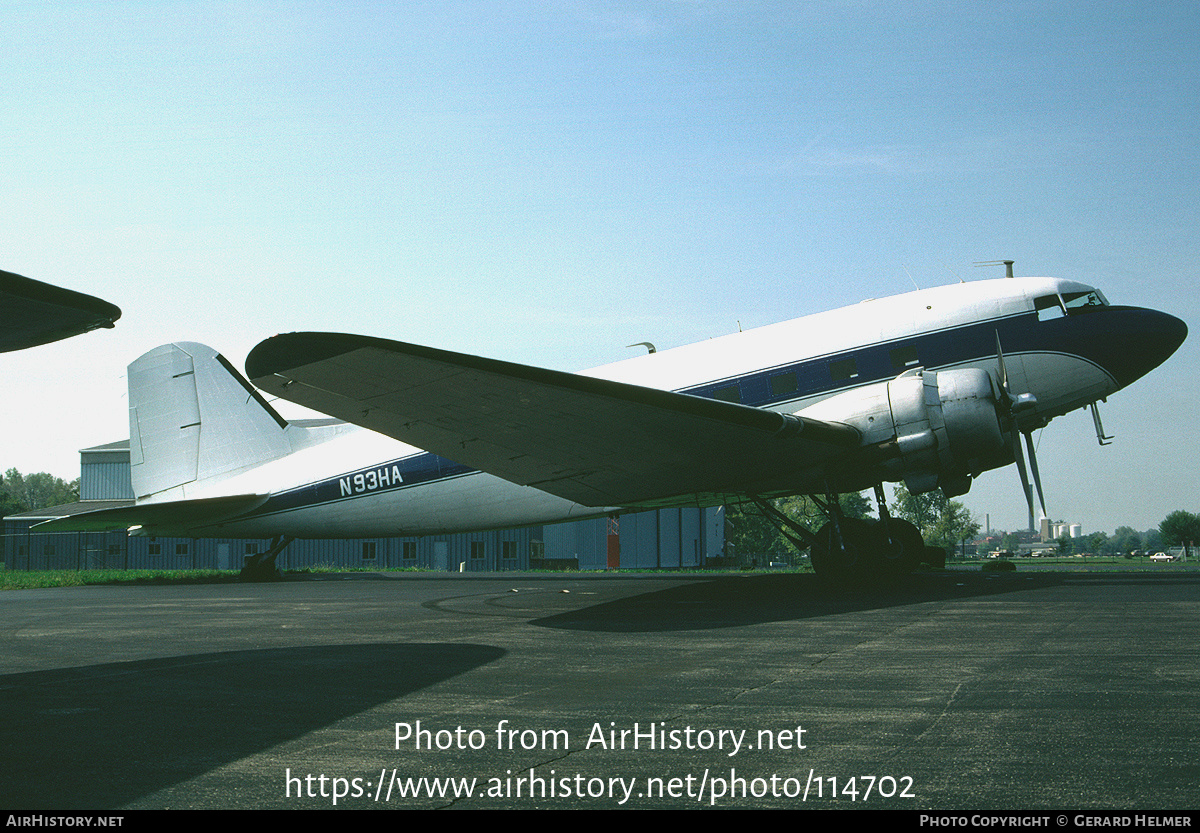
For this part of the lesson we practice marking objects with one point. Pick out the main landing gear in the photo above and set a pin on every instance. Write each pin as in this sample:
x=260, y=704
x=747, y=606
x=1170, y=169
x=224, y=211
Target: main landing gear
x=856, y=550
x=261, y=566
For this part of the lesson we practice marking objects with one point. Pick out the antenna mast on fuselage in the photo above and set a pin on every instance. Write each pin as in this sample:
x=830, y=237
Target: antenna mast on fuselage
x=1008, y=265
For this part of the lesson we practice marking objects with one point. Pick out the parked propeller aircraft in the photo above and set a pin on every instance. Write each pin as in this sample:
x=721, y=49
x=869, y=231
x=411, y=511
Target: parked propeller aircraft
x=930, y=388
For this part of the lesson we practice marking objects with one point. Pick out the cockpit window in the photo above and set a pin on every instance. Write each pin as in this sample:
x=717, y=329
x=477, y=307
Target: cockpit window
x=1048, y=306
x=1084, y=301
x=1070, y=303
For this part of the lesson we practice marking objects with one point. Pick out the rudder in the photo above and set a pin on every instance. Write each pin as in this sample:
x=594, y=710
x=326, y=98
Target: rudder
x=192, y=417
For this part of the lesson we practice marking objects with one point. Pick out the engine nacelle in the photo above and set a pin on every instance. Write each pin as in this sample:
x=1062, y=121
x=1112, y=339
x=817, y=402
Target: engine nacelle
x=934, y=429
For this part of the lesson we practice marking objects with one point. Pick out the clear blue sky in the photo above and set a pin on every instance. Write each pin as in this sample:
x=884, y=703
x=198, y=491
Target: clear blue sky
x=546, y=182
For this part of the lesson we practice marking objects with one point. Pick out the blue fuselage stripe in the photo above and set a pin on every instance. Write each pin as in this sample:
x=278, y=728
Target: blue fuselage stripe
x=1022, y=333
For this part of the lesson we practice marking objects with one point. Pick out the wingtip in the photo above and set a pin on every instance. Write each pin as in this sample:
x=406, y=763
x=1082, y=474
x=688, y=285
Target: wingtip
x=285, y=351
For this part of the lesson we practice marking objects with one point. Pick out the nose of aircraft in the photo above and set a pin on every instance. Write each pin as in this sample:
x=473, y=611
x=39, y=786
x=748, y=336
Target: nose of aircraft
x=1140, y=341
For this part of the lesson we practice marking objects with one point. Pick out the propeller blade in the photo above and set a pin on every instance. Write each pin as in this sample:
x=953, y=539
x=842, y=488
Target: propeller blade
x=1020, y=458
x=1037, y=478
x=1011, y=407
x=1003, y=372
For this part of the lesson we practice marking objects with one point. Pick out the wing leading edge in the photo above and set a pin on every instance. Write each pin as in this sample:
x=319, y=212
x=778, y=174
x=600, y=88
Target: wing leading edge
x=592, y=441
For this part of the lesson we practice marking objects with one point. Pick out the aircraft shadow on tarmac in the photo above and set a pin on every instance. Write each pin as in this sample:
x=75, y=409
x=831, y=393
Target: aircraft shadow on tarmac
x=734, y=601
x=104, y=735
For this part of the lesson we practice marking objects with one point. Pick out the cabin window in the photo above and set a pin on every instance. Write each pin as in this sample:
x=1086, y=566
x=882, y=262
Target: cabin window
x=843, y=370
x=368, y=551
x=905, y=356
x=730, y=393
x=154, y=549
x=784, y=383
x=181, y=549
x=409, y=551
x=508, y=550
x=477, y=549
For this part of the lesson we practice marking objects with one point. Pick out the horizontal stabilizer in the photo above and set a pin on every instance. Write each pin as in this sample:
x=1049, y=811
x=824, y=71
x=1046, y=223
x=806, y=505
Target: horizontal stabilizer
x=165, y=518
x=593, y=441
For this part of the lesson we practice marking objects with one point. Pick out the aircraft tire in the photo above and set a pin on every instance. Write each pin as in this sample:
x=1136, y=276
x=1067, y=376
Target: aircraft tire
x=847, y=561
x=901, y=546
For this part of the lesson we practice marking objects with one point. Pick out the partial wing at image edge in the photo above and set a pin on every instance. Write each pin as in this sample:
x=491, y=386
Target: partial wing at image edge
x=33, y=313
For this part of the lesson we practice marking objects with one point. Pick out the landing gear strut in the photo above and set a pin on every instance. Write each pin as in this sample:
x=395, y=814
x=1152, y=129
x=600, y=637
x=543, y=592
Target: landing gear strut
x=850, y=550
x=903, y=547
x=261, y=566
x=844, y=549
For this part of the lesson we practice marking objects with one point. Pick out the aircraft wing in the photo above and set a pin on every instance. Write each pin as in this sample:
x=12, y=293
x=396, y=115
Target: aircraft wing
x=592, y=441
x=32, y=312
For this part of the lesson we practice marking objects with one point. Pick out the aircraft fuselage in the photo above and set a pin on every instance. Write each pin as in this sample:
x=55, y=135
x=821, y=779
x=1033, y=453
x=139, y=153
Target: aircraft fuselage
x=1062, y=343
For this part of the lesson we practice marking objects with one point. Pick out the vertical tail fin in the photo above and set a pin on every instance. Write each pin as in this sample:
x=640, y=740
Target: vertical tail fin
x=192, y=416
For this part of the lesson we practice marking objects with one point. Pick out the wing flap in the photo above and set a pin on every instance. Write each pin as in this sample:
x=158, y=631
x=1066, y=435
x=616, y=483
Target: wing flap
x=593, y=441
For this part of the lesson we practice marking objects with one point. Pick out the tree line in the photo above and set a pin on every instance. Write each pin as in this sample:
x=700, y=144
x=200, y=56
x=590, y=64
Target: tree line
x=1180, y=529
x=943, y=523
x=26, y=492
